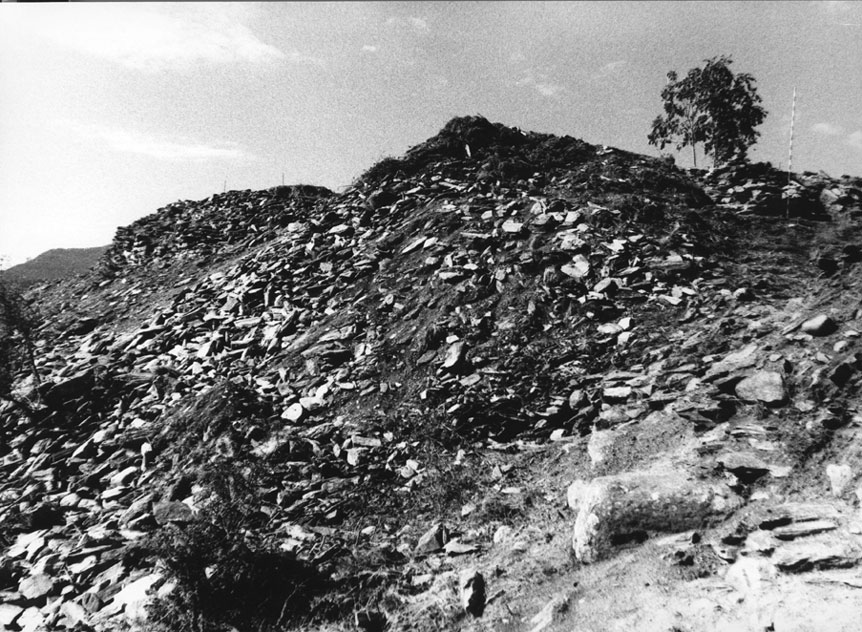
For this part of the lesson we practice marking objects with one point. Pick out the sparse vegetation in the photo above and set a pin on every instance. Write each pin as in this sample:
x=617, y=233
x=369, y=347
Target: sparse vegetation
x=18, y=322
x=225, y=575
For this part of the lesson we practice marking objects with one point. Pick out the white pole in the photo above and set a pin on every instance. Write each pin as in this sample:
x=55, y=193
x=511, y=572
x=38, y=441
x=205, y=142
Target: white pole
x=792, y=119
x=790, y=151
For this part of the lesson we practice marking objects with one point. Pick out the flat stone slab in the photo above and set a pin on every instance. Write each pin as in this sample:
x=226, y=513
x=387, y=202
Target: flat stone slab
x=746, y=465
x=787, y=513
x=36, y=587
x=820, y=553
x=801, y=529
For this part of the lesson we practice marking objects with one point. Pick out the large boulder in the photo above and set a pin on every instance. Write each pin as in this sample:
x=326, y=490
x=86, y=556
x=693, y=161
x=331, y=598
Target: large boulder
x=629, y=507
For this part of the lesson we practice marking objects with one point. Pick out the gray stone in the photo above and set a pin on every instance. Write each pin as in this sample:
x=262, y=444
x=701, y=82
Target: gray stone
x=137, y=509
x=36, y=587
x=8, y=614
x=472, y=587
x=432, y=540
x=456, y=547
x=575, y=493
x=91, y=602
x=820, y=325
x=370, y=620
x=630, y=506
x=763, y=386
x=133, y=598
x=576, y=398
x=294, y=412
x=551, y=612
x=741, y=359
x=578, y=268
x=124, y=476
x=600, y=445
x=761, y=542
x=511, y=226
x=58, y=393
x=74, y=613
x=607, y=286
x=311, y=404
x=172, y=511
x=842, y=373
x=616, y=393
x=840, y=477
x=455, y=355
x=31, y=620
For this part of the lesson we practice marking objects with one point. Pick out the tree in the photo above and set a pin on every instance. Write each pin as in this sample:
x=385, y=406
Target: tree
x=712, y=106
x=18, y=323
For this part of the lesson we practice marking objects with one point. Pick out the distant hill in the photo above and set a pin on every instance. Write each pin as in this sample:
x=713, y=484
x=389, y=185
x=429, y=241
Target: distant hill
x=58, y=263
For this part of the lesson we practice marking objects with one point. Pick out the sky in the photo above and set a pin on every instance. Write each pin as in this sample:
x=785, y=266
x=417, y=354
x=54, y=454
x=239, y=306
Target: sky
x=113, y=110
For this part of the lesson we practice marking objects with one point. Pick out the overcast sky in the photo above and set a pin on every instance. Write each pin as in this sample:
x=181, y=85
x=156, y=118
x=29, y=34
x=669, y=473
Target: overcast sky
x=111, y=111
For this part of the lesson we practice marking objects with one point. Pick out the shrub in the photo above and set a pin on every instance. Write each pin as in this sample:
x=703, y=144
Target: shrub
x=18, y=323
x=224, y=574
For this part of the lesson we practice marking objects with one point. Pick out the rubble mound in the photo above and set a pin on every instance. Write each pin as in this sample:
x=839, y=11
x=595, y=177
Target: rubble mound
x=194, y=230
x=370, y=404
x=764, y=190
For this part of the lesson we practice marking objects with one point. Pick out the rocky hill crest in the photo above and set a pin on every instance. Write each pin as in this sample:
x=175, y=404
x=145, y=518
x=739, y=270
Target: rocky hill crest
x=507, y=381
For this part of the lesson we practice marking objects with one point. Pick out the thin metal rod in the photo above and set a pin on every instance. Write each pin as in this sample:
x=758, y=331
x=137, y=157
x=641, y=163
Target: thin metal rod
x=790, y=153
x=792, y=120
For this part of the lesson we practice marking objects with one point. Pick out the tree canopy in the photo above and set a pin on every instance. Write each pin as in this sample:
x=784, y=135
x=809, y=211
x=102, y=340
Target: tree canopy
x=712, y=106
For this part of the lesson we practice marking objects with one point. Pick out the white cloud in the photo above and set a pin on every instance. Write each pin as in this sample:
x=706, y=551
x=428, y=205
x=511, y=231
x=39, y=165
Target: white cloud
x=541, y=83
x=855, y=140
x=417, y=25
x=154, y=37
x=161, y=147
x=612, y=68
x=548, y=89
x=826, y=129
x=368, y=48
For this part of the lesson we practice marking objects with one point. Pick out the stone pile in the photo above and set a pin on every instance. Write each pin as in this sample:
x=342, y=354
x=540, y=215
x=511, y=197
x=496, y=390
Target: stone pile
x=762, y=190
x=492, y=284
x=194, y=230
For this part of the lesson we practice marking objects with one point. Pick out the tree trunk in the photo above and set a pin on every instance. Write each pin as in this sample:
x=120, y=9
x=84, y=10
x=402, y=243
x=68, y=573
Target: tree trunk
x=31, y=360
x=694, y=155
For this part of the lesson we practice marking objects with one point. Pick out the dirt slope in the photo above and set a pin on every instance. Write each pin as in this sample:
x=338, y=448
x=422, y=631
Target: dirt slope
x=507, y=381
